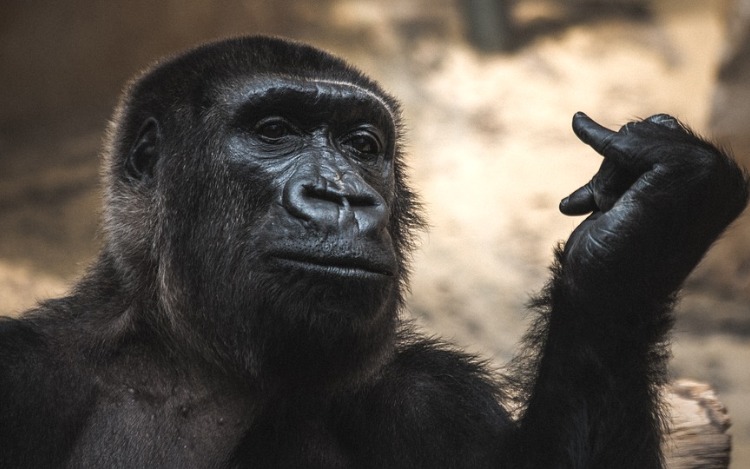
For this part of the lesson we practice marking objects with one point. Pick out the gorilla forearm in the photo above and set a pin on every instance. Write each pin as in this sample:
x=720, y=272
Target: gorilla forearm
x=597, y=377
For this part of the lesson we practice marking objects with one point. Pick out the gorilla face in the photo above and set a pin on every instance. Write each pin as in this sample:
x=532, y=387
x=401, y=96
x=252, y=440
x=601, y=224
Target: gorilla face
x=306, y=247
x=275, y=205
x=327, y=150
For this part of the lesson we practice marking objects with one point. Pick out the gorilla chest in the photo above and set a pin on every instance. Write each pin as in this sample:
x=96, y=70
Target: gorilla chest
x=135, y=429
x=132, y=428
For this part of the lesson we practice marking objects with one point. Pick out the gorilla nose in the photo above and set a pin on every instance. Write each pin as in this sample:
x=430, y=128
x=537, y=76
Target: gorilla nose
x=338, y=204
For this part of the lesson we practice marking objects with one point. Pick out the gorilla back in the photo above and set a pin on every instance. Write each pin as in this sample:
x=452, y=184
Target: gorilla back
x=244, y=310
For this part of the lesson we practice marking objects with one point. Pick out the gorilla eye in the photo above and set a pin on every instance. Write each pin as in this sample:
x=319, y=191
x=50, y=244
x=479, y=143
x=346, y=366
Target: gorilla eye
x=273, y=129
x=364, y=143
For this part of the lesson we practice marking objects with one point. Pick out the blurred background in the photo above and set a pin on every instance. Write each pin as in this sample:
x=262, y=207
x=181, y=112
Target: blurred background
x=488, y=88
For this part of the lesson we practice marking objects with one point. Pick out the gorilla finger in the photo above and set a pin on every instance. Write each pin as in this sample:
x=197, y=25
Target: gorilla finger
x=623, y=148
x=580, y=202
x=592, y=133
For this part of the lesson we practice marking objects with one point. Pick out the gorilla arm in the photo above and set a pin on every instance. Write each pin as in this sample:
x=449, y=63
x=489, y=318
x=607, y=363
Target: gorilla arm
x=660, y=198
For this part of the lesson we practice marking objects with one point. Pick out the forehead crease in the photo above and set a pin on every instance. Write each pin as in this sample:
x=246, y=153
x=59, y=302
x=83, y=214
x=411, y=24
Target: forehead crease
x=311, y=92
x=362, y=94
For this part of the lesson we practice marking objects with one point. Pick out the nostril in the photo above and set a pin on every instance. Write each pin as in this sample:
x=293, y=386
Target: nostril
x=361, y=200
x=294, y=199
x=324, y=193
x=336, y=196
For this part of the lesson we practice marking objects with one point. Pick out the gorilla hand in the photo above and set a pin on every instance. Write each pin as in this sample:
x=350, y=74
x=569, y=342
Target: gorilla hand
x=661, y=196
x=659, y=199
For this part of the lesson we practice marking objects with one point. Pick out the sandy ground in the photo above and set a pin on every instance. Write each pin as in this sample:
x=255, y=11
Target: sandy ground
x=491, y=153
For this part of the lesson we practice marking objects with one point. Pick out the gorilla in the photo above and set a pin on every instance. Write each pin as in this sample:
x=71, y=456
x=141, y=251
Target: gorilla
x=246, y=308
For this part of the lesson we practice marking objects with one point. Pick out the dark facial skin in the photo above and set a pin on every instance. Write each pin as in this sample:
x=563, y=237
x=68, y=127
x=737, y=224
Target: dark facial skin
x=329, y=148
x=245, y=309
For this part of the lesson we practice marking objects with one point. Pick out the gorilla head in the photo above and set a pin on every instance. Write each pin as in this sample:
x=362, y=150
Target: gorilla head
x=257, y=208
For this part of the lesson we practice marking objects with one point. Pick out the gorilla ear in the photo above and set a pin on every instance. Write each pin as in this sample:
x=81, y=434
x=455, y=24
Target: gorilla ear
x=143, y=156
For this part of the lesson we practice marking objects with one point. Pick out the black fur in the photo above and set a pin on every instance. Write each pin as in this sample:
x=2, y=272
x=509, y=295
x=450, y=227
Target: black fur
x=244, y=311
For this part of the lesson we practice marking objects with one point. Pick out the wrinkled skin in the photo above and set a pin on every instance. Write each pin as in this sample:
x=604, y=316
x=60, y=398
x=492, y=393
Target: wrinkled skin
x=245, y=309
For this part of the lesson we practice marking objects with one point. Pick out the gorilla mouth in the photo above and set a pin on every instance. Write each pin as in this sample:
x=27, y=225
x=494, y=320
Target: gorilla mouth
x=338, y=266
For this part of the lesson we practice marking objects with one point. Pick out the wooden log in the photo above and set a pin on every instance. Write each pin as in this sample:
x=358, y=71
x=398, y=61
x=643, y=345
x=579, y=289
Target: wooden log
x=697, y=436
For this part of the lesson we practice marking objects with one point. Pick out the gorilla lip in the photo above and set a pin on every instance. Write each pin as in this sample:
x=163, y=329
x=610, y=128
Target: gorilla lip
x=338, y=266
